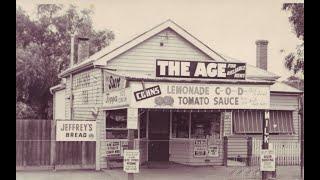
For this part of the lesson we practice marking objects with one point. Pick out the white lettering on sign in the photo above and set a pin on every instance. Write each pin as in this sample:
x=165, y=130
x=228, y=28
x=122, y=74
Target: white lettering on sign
x=205, y=69
x=200, y=96
x=76, y=131
x=131, y=160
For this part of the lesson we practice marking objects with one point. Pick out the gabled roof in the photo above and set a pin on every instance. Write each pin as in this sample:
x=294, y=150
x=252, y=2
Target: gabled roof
x=116, y=49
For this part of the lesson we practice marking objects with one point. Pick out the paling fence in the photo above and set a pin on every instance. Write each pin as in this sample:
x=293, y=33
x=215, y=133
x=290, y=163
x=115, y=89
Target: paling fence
x=287, y=152
x=34, y=147
x=245, y=151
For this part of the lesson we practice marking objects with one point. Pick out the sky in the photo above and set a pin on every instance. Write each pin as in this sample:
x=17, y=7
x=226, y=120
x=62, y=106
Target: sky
x=230, y=27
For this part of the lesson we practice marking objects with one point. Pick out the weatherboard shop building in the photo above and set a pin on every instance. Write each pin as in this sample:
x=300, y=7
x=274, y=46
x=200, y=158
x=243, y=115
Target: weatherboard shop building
x=180, y=96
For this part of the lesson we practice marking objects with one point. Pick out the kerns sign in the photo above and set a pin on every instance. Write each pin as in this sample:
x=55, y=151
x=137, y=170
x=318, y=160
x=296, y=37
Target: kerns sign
x=195, y=69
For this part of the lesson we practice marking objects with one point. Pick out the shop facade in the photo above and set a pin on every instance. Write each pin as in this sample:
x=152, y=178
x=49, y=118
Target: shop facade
x=180, y=96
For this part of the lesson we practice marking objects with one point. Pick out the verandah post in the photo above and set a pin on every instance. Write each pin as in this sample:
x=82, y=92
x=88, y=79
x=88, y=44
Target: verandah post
x=225, y=150
x=130, y=147
x=249, y=150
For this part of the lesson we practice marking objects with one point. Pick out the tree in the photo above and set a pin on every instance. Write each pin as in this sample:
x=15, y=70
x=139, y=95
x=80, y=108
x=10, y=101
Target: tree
x=43, y=50
x=295, y=61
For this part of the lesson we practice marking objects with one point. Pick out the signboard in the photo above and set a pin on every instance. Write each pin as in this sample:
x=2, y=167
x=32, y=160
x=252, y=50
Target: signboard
x=202, y=96
x=267, y=160
x=113, y=148
x=227, y=116
x=76, y=131
x=116, y=98
x=113, y=82
x=131, y=161
x=147, y=93
x=200, y=69
x=132, y=118
x=200, y=148
x=124, y=146
x=213, y=151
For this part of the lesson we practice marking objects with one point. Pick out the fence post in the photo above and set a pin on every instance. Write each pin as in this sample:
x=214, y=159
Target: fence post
x=249, y=150
x=53, y=144
x=225, y=151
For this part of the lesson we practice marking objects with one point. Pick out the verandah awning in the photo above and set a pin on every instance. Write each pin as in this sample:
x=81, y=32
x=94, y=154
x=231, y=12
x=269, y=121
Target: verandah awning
x=251, y=122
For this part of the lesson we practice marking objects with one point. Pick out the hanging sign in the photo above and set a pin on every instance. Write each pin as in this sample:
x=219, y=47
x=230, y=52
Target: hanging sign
x=203, y=96
x=113, y=148
x=200, y=148
x=113, y=82
x=132, y=118
x=267, y=160
x=200, y=69
x=213, y=151
x=76, y=131
x=131, y=161
x=116, y=98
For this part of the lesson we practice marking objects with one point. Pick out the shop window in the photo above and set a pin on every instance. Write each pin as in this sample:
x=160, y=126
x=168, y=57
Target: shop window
x=204, y=125
x=143, y=123
x=116, y=124
x=250, y=122
x=180, y=124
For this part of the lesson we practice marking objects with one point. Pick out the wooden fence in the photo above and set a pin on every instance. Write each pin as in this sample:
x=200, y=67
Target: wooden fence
x=287, y=152
x=33, y=147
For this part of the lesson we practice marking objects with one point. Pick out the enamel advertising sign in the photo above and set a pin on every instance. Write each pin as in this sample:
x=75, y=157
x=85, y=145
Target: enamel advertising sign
x=203, y=69
x=76, y=131
x=196, y=96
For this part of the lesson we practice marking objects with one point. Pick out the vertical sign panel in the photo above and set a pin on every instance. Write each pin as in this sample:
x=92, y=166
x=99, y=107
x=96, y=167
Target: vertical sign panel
x=131, y=161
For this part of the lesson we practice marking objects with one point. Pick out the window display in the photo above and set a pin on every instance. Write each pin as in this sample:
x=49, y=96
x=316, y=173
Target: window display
x=116, y=124
x=180, y=124
x=204, y=125
x=143, y=123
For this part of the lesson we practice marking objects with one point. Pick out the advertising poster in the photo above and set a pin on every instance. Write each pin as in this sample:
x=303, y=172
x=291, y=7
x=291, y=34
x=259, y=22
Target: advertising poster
x=200, y=148
x=267, y=160
x=116, y=98
x=131, y=161
x=76, y=131
x=113, y=148
x=213, y=151
x=113, y=82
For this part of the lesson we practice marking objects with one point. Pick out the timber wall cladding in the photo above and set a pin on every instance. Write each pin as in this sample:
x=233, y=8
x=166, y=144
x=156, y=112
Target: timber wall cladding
x=142, y=58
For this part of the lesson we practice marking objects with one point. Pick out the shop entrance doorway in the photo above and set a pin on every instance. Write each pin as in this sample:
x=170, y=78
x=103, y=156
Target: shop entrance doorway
x=159, y=126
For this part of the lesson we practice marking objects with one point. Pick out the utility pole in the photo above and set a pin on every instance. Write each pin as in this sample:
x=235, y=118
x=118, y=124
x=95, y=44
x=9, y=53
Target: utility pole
x=265, y=141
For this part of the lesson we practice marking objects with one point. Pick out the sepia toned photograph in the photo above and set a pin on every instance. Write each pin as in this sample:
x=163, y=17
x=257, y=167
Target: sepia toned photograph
x=160, y=90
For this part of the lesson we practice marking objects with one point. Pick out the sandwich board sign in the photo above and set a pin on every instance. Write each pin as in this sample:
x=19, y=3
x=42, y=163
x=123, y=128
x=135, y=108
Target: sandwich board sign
x=131, y=161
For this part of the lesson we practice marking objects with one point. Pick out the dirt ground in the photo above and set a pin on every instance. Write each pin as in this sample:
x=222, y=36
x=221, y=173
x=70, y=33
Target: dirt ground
x=175, y=173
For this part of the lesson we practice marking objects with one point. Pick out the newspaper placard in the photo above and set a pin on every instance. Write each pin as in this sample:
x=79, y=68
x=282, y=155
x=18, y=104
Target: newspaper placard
x=132, y=118
x=124, y=146
x=213, y=151
x=267, y=160
x=113, y=148
x=200, y=148
x=131, y=161
x=76, y=131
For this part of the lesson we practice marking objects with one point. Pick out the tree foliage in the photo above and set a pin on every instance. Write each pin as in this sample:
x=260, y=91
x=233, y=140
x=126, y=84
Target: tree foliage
x=294, y=61
x=43, y=50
